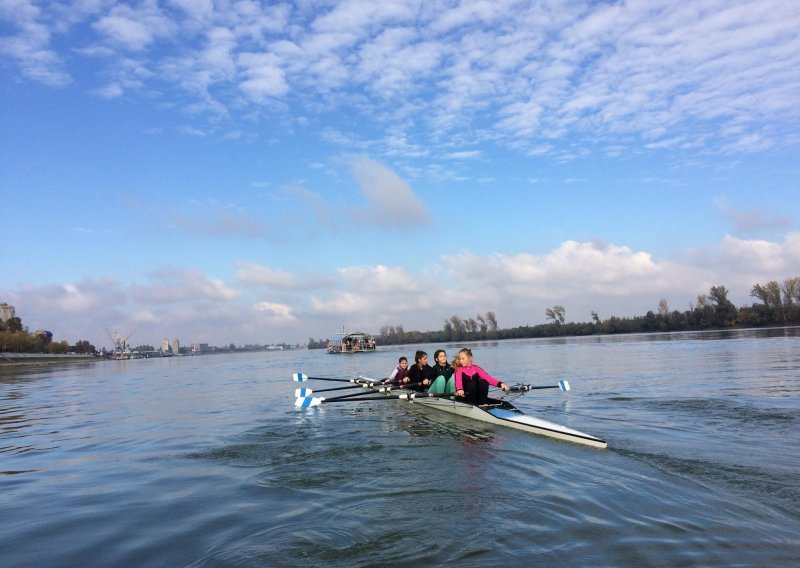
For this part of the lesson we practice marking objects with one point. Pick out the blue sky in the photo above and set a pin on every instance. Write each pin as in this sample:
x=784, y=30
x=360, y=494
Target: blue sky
x=241, y=171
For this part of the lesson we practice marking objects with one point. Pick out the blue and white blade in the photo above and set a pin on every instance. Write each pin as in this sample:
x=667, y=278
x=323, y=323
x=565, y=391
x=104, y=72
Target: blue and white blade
x=564, y=385
x=299, y=377
x=307, y=402
x=300, y=393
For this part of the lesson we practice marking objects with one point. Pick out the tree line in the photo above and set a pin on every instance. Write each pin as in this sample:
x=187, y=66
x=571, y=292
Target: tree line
x=15, y=338
x=778, y=304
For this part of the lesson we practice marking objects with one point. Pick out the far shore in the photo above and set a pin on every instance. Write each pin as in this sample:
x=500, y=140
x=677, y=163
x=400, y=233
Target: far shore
x=9, y=359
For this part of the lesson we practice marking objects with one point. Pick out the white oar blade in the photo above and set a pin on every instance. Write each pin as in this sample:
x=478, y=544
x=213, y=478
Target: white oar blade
x=299, y=377
x=300, y=393
x=308, y=402
x=563, y=385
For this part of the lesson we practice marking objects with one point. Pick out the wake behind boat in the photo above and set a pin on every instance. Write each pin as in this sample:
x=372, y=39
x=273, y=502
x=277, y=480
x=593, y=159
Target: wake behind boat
x=498, y=411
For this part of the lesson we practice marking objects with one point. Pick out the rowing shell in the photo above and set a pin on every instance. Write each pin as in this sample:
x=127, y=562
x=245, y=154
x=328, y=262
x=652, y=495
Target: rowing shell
x=503, y=413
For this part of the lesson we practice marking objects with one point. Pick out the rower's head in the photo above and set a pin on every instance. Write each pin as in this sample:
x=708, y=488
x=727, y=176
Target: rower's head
x=464, y=357
x=421, y=358
x=403, y=362
x=440, y=357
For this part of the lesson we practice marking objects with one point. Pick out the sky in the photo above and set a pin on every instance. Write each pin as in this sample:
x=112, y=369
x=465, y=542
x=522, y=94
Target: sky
x=235, y=171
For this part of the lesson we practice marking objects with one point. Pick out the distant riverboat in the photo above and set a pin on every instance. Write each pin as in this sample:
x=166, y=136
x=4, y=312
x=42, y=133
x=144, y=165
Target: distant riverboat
x=356, y=342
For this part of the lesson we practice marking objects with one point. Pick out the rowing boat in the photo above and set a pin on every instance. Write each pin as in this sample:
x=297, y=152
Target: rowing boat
x=497, y=411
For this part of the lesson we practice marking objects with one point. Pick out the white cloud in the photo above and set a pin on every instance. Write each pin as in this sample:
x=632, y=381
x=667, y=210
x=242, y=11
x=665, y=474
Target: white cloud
x=171, y=285
x=712, y=74
x=265, y=78
x=387, y=193
x=29, y=46
x=109, y=91
x=197, y=9
x=582, y=276
x=748, y=220
x=253, y=274
x=763, y=257
x=379, y=280
x=135, y=28
x=275, y=312
x=464, y=155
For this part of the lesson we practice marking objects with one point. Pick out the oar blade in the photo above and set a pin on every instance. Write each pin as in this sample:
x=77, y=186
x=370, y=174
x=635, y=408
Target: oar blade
x=299, y=377
x=308, y=402
x=302, y=393
x=563, y=385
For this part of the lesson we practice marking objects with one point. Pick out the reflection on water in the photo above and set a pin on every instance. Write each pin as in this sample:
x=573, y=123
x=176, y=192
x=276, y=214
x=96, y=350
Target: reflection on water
x=428, y=422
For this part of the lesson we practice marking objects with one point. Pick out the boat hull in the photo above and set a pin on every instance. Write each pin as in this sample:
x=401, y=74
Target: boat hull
x=501, y=413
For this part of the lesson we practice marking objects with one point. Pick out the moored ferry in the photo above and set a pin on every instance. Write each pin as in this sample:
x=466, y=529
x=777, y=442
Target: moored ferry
x=356, y=342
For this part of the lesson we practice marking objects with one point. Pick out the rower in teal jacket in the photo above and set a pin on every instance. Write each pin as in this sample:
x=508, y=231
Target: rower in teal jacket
x=443, y=371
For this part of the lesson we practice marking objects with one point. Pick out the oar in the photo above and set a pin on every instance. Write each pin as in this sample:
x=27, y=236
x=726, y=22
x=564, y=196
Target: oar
x=562, y=385
x=308, y=401
x=300, y=377
x=307, y=391
x=354, y=395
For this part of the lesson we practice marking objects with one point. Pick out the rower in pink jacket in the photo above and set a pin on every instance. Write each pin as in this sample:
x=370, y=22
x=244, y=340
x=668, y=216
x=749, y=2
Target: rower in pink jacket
x=472, y=382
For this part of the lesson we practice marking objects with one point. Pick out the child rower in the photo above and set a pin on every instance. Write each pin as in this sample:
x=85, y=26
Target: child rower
x=443, y=371
x=399, y=373
x=420, y=376
x=472, y=382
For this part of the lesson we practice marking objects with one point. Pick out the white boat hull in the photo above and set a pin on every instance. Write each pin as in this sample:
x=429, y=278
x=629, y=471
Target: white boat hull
x=504, y=414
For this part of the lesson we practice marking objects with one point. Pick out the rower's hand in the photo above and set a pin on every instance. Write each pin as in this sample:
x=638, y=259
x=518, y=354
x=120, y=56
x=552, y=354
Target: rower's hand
x=426, y=382
x=460, y=392
x=506, y=387
x=406, y=380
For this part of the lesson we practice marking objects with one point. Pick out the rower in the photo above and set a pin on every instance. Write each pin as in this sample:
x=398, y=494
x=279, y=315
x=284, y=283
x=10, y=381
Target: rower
x=421, y=375
x=472, y=382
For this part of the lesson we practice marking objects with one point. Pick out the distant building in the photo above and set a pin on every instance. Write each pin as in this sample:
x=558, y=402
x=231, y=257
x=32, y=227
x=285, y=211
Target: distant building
x=6, y=312
x=165, y=345
x=176, y=347
x=199, y=347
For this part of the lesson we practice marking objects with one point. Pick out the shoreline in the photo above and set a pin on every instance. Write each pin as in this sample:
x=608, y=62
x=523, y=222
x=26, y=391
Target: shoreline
x=21, y=359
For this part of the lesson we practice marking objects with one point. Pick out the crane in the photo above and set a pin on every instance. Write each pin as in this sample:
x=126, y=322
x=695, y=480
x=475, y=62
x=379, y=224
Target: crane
x=121, y=349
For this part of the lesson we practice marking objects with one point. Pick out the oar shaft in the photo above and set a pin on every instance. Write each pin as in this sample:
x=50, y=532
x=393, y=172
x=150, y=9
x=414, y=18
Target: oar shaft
x=345, y=396
x=340, y=388
x=309, y=401
x=300, y=377
x=563, y=385
x=337, y=399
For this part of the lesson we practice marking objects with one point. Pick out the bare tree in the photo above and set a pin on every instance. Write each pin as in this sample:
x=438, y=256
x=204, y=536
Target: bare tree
x=458, y=327
x=448, y=330
x=791, y=291
x=556, y=313
x=770, y=294
x=482, y=322
x=663, y=307
x=491, y=319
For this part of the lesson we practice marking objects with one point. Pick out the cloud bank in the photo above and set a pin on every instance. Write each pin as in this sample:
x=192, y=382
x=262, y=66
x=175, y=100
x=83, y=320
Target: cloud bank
x=262, y=303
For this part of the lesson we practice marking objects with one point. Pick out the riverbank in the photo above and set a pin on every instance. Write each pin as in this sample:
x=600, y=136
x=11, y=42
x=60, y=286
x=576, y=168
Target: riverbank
x=18, y=359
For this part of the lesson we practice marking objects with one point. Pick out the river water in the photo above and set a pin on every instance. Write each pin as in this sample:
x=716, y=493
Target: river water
x=204, y=461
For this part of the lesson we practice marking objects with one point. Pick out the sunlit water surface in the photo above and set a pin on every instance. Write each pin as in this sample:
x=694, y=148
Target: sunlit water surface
x=204, y=461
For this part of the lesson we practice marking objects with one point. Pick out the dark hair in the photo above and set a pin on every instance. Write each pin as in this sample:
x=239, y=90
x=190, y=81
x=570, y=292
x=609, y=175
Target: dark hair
x=436, y=353
x=401, y=359
x=419, y=355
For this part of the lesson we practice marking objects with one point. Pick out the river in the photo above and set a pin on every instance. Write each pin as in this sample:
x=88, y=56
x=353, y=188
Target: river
x=204, y=461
